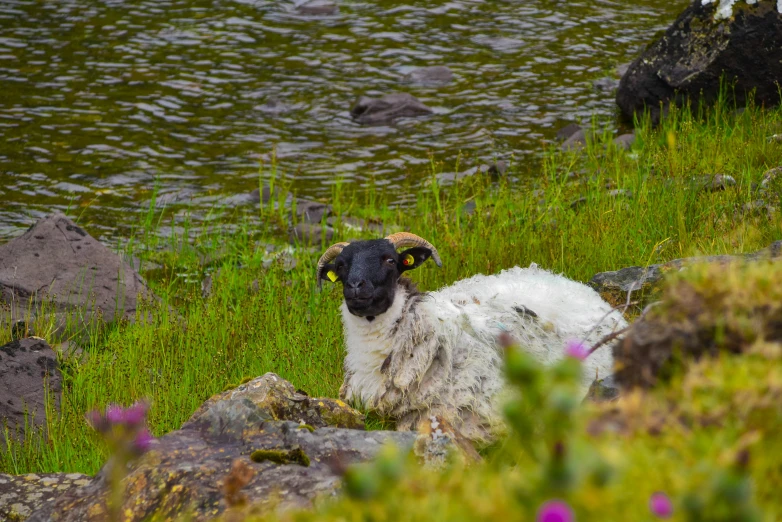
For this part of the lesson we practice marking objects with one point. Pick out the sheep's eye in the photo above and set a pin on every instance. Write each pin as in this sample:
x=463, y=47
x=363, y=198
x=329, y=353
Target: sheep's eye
x=391, y=261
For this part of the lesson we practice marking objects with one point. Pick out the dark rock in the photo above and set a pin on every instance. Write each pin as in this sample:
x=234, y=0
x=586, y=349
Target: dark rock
x=21, y=329
x=27, y=367
x=497, y=169
x=57, y=263
x=692, y=55
x=377, y=111
x=603, y=390
x=614, y=286
x=578, y=202
x=21, y=495
x=625, y=141
x=567, y=131
x=576, y=141
x=318, y=8
x=185, y=470
x=437, y=74
x=309, y=234
x=312, y=211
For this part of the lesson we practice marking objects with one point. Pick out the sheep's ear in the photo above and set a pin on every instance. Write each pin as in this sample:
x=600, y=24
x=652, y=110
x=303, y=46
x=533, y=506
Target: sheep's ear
x=413, y=258
x=328, y=272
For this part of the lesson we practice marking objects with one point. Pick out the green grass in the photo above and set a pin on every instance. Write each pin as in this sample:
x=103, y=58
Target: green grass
x=190, y=348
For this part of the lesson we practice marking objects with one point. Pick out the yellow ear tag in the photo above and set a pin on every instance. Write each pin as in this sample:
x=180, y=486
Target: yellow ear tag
x=408, y=260
x=332, y=275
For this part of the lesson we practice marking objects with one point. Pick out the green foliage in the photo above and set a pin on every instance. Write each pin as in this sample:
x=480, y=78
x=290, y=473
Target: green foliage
x=262, y=316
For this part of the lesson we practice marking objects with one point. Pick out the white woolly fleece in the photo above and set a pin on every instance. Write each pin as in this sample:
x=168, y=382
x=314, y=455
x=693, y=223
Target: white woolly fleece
x=438, y=353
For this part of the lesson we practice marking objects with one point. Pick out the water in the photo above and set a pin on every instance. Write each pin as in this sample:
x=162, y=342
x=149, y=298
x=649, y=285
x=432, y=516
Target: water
x=99, y=98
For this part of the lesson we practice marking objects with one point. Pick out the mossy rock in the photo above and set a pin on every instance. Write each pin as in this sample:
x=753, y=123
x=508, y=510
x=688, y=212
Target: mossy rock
x=703, y=311
x=279, y=399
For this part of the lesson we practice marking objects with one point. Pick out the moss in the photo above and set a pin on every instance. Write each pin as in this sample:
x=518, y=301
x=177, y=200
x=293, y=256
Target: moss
x=245, y=380
x=292, y=456
x=306, y=427
x=228, y=387
x=703, y=311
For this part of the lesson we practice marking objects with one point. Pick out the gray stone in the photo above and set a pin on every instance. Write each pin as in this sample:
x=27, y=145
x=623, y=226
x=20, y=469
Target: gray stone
x=567, y=131
x=614, y=286
x=606, y=84
x=311, y=235
x=698, y=49
x=377, y=111
x=27, y=368
x=57, y=264
x=625, y=141
x=189, y=467
x=603, y=390
x=20, y=495
x=576, y=141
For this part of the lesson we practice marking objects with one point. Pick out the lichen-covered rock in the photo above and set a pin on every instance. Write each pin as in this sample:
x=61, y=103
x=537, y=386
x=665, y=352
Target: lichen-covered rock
x=28, y=371
x=21, y=495
x=704, y=311
x=270, y=397
x=643, y=281
x=58, y=264
x=701, y=45
x=188, y=471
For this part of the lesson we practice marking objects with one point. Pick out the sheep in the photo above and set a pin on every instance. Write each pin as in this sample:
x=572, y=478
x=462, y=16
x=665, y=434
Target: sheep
x=411, y=355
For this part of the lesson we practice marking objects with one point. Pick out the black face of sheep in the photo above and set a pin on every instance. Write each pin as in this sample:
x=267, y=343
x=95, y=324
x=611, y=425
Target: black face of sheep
x=369, y=272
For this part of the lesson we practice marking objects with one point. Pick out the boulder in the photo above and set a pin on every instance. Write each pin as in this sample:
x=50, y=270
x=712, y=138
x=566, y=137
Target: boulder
x=576, y=141
x=21, y=495
x=262, y=443
x=378, y=111
x=280, y=399
x=723, y=309
x=434, y=75
x=57, y=265
x=702, y=44
x=27, y=368
x=613, y=286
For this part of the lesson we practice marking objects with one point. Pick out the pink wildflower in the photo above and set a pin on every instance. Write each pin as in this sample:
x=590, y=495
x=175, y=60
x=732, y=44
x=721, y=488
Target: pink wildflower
x=136, y=414
x=555, y=511
x=660, y=505
x=143, y=440
x=115, y=414
x=577, y=349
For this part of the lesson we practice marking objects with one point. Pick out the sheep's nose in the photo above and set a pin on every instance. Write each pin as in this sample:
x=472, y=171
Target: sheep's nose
x=357, y=285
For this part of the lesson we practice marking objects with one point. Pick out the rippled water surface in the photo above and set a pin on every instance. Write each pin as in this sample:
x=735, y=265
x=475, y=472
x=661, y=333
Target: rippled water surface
x=98, y=98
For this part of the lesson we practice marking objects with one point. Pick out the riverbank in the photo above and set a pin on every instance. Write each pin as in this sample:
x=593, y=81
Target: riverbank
x=597, y=209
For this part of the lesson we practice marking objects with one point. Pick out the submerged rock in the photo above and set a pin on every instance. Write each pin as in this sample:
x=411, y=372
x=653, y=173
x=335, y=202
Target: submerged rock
x=377, y=111
x=28, y=371
x=614, y=286
x=701, y=45
x=436, y=74
x=318, y=8
x=57, y=265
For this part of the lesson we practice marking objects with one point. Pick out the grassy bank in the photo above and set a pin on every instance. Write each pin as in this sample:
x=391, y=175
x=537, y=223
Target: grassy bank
x=263, y=315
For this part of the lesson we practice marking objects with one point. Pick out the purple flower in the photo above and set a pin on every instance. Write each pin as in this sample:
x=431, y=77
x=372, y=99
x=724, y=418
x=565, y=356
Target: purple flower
x=577, y=349
x=97, y=420
x=143, y=440
x=660, y=505
x=555, y=511
x=136, y=414
x=115, y=414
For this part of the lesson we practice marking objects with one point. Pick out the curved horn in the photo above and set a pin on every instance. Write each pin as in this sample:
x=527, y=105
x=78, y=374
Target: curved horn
x=330, y=253
x=406, y=239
